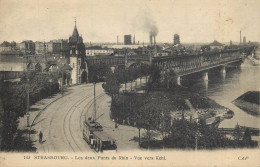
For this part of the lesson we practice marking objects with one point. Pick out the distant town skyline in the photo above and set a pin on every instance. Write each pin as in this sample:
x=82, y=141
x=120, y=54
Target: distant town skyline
x=196, y=21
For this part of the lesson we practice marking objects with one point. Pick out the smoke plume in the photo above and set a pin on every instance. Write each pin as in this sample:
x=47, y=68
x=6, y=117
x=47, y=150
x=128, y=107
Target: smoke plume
x=145, y=22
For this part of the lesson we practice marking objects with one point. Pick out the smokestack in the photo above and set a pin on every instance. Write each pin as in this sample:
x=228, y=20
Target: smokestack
x=151, y=39
x=155, y=48
x=142, y=49
x=154, y=40
x=134, y=40
x=117, y=40
x=240, y=37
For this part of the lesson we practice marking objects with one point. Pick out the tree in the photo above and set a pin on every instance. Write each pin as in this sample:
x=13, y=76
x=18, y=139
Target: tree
x=247, y=138
x=112, y=84
x=155, y=78
x=169, y=79
x=98, y=72
x=237, y=134
x=164, y=121
x=149, y=117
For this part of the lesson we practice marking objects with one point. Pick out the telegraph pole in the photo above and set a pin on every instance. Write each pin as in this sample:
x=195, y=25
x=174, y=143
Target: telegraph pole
x=62, y=81
x=28, y=103
x=196, y=142
x=28, y=98
x=95, y=109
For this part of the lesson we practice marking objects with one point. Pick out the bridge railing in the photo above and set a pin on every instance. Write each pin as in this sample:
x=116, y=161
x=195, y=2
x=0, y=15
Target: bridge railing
x=187, y=63
x=108, y=60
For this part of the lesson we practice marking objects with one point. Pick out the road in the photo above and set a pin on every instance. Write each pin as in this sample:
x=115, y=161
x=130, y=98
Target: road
x=61, y=122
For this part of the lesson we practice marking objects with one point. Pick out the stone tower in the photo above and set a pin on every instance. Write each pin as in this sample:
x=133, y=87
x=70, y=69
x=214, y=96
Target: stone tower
x=77, y=57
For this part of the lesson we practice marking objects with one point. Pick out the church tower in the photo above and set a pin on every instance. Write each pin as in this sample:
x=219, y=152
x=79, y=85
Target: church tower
x=77, y=57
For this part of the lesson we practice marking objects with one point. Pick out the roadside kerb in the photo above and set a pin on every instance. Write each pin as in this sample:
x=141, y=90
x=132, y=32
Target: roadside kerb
x=45, y=108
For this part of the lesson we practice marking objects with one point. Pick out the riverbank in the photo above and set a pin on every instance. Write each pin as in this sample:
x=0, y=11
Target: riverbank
x=179, y=101
x=249, y=102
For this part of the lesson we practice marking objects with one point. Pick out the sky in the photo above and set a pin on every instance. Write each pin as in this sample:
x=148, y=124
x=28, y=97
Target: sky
x=104, y=20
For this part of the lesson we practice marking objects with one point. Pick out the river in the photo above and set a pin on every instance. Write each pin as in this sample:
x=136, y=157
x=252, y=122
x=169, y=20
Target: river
x=224, y=88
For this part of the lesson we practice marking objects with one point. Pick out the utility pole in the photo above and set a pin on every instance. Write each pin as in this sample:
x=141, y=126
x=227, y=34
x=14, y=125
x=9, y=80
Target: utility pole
x=95, y=109
x=62, y=81
x=28, y=91
x=196, y=142
x=28, y=105
x=197, y=134
x=44, y=49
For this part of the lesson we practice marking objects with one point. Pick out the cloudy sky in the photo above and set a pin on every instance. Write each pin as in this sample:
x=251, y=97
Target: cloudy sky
x=103, y=20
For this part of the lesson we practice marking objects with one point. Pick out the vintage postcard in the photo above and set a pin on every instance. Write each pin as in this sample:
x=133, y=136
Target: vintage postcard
x=129, y=83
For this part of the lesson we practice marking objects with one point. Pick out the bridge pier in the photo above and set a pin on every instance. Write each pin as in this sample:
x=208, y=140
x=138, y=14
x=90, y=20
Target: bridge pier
x=223, y=70
x=112, y=69
x=178, y=80
x=205, y=76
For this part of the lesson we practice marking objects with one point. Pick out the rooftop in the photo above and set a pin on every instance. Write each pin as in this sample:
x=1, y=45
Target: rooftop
x=215, y=43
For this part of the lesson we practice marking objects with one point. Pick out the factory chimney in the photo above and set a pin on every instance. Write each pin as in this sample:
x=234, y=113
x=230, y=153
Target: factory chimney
x=151, y=39
x=117, y=40
x=142, y=49
x=155, y=48
x=134, y=40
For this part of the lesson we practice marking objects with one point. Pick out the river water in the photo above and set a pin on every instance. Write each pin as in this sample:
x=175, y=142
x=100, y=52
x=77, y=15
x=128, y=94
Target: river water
x=224, y=88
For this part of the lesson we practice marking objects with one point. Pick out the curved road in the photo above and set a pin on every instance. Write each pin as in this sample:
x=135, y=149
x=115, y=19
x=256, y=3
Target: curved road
x=61, y=122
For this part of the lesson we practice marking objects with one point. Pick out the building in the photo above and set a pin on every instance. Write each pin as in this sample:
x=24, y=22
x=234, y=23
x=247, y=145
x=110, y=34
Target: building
x=14, y=63
x=59, y=46
x=97, y=50
x=6, y=46
x=127, y=39
x=77, y=58
x=176, y=39
x=244, y=40
x=27, y=47
x=216, y=45
x=163, y=53
x=39, y=47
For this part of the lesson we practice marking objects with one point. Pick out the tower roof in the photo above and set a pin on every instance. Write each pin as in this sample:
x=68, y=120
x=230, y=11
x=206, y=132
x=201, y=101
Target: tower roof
x=75, y=38
x=75, y=33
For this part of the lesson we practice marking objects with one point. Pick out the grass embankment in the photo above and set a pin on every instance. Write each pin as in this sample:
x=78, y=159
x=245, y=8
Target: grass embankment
x=176, y=100
x=249, y=102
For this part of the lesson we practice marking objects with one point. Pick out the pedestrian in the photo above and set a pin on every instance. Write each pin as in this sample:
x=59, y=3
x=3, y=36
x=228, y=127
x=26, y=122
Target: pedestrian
x=40, y=137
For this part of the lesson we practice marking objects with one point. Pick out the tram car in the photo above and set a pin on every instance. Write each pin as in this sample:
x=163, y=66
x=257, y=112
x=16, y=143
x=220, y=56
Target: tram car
x=98, y=140
x=89, y=128
x=103, y=142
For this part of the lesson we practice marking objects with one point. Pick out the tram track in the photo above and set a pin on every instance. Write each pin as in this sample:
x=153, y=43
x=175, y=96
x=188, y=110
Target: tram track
x=50, y=144
x=69, y=121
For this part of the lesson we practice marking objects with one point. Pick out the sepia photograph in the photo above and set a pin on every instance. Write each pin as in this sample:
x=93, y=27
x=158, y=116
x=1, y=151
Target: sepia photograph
x=129, y=83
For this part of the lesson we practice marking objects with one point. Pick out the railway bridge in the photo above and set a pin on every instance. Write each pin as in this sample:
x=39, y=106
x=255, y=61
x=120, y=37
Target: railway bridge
x=175, y=67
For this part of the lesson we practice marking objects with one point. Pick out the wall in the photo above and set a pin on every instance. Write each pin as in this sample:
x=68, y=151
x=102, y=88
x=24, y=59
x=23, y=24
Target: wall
x=74, y=72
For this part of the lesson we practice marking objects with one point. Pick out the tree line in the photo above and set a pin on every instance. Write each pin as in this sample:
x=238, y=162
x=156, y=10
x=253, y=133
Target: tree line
x=13, y=101
x=153, y=113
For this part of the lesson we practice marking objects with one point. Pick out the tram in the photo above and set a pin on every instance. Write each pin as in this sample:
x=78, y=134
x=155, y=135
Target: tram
x=98, y=140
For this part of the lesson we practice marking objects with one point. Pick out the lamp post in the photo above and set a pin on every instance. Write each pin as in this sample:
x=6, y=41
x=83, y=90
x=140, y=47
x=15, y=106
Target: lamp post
x=197, y=135
x=28, y=104
x=62, y=79
x=95, y=110
x=28, y=118
x=27, y=108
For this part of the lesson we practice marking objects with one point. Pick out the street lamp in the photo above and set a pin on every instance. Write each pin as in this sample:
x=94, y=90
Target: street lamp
x=62, y=79
x=28, y=103
x=197, y=135
x=95, y=109
x=28, y=118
